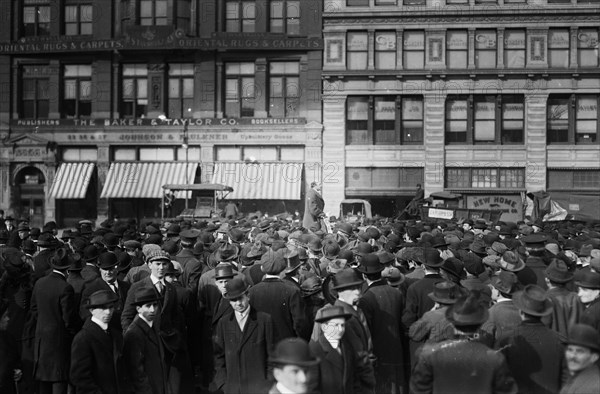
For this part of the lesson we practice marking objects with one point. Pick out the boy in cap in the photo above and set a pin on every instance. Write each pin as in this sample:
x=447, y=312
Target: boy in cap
x=143, y=350
x=96, y=350
x=462, y=365
x=292, y=366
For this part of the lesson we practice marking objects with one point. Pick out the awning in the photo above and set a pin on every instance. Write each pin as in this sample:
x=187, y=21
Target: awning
x=265, y=181
x=71, y=180
x=144, y=180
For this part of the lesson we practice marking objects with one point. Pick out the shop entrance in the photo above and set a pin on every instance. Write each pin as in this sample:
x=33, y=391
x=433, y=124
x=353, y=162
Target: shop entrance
x=30, y=196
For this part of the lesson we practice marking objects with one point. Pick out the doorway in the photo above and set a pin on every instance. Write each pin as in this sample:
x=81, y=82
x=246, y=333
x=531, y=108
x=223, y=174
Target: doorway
x=30, y=195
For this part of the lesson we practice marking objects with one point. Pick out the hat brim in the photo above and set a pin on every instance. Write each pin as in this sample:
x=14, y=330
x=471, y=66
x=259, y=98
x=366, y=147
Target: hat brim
x=470, y=320
x=324, y=319
x=146, y=301
x=442, y=300
x=347, y=285
x=519, y=303
x=284, y=361
x=519, y=267
x=371, y=270
x=233, y=296
x=587, y=285
x=556, y=279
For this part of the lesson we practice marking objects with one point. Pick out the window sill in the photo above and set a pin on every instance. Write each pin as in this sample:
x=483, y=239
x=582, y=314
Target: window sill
x=385, y=147
x=486, y=147
x=591, y=146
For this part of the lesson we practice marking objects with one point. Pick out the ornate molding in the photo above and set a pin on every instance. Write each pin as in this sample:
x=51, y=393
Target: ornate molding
x=420, y=19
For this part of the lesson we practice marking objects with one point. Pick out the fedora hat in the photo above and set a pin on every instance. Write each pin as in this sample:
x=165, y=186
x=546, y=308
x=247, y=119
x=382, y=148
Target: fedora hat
x=445, y=292
x=511, y=261
x=467, y=311
x=107, y=260
x=363, y=248
x=505, y=282
x=558, y=272
x=236, y=235
x=264, y=225
x=439, y=241
x=110, y=240
x=370, y=264
x=62, y=260
x=292, y=259
x=235, y=288
x=588, y=280
x=23, y=227
x=585, y=336
x=478, y=247
x=226, y=252
x=47, y=240
x=293, y=351
x=331, y=249
x=394, y=276
x=315, y=244
x=385, y=257
x=330, y=312
x=224, y=270
x=145, y=295
x=173, y=230
x=346, y=278
x=28, y=246
x=101, y=298
x=533, y=301
x=455, y=267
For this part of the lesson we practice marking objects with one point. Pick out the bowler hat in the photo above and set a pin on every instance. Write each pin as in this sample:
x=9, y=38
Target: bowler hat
x=533, y=301
x=445, y=292
x=107, y=260
x=145, y=295
x=90, y=253
x=363, y=248
x=47, y=240
x=394, y=277
x=585, y=336
x=330, y=312
x=292, y=260
x=224, y=270
x=505, y=282
x=171, y=270
x=110, y=240
x=455, y=267
x=315, y=245
x=235, y=288
x=132, y=244
x=173, y=230
x=28, y=246
x=558, y=272
x=511, y=261
x=346, y=278
x=101, y=298
x=467, y=311
x=293, y=351
x=370, y=264
x=431, y=258
x=272, y=263
x=588, y=280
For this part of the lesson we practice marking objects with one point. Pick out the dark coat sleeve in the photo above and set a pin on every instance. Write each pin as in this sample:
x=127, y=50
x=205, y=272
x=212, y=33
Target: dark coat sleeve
x=219, y=355
x=134, y=355
x=81, y=364
x=69, y=312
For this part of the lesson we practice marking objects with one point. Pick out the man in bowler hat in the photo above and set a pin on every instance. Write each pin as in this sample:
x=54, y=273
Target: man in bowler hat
x=292, y=365
x=96, y=350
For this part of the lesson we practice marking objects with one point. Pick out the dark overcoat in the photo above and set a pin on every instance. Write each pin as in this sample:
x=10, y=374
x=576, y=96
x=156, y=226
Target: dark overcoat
x=313, y=207
x=504, y=317
x=41, y=264
x=144, y=359
x=566, y=310
x=53, y=305
x=417, y=301
x=99, y=284
x=192, y=268
x=591, y=314
x=95, y=360
x=241, y=357
x=534, y=356
x=283, y=303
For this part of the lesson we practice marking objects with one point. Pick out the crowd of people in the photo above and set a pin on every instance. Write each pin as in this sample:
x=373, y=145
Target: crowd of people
x=253, y=304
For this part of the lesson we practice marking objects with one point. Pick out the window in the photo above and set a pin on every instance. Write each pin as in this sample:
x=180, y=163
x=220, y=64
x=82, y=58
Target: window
x=385, y=50
x=153, y=12
x=559, y=1
x=383, y=178
x=573, y=179
x=414, y=2
x=485, y=48
x=558, y=48
x=157, y=154
x=79, y=154
x=456, y=49
x=357, y=50
x=587, y=47
x=78, y=19
x=465, y=2
x=35, y=95
x=485, y=119
x=485, y=178
x=36, y=18
x=572, y=119
x=77, y=93
x=284, y=89
x=240, y=16
x=260, y=153
x=239, y=89
x=414, y=50
x=285, y=17
x=384, y=120
x=135, y=91
x=514, y=48
x=385, y=2
x=357, y=3
x=181, y=90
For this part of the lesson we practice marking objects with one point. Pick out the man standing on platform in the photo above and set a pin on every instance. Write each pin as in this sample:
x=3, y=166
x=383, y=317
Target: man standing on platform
x=313, y=209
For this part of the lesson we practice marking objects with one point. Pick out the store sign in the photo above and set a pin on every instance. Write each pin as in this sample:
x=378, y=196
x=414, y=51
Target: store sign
x=157, y=122
x=440, y=213
x=175, y=137
x=509, y=204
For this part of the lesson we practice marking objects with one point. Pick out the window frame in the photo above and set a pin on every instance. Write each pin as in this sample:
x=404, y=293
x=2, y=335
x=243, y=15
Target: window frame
x=390, y=49
x=78, y=23
x=242, y=82
x=290, y=25
x=38, y=6
x=154, y=18
x=408, y=50
x=79, y=102
x=582, y=45
x=484, y=178
x=384, y=182
x=570, y=136
x=39, y=79
x=279, y=153
x=464, y=51
x=182, y=101
x=555, y=47
x=515, y=47
x=570, y=176
x=482, y=47
x=287, y=97
x=143, y=109
x=401, y=133
x=501, y=135
x=239, y=23
x=351, y=52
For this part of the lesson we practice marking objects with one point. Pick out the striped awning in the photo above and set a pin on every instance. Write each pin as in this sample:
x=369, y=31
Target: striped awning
x=71, y=180
x=145, y=180
x=253, y=181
